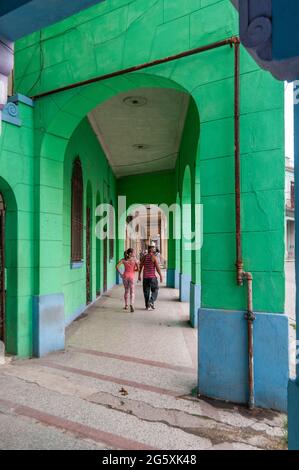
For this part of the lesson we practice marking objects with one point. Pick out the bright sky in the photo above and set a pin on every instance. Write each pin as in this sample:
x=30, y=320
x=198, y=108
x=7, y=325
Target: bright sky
x=289, y=121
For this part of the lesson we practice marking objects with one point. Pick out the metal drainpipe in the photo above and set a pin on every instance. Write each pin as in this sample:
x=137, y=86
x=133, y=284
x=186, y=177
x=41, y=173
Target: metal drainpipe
x=241, y=274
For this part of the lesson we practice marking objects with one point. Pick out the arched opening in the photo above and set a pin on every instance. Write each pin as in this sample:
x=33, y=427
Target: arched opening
x=2, y=268
x=130, y=144
x=77, y=212
x=111, y=232
x=178, y=243
x=8, y=268
x=105, y=255
x=88, y=243
x=98, y=254
x=187, y=237
x=148, y=223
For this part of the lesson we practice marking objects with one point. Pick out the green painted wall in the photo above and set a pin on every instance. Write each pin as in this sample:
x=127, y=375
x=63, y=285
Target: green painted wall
x=117, y=34
x=98, y=176
x=188, y=186
x=154, y=188
x=121, y=33
x=186, y=220
x=16, y=185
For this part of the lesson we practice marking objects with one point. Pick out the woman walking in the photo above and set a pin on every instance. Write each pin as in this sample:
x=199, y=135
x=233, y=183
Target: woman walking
x=128, y=276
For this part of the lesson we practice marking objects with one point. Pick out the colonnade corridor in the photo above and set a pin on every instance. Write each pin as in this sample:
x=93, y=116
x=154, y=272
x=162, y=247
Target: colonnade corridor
x=125, y=381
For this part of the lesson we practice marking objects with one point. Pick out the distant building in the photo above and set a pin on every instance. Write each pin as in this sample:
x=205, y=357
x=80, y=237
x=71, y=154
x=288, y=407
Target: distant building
x=290, y=210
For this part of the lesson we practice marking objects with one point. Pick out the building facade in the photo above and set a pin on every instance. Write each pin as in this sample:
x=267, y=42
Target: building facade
x=269, y=31
x=290, y=211
x=77, y=135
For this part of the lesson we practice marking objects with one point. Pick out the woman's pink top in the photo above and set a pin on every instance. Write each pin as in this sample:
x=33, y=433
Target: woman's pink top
x=130, y=266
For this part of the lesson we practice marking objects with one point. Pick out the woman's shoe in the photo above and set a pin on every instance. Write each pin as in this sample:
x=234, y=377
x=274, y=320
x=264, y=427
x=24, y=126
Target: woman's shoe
x=132, y=309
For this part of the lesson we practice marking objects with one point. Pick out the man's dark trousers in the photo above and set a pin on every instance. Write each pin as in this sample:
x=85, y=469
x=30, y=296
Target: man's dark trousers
x=150, y=291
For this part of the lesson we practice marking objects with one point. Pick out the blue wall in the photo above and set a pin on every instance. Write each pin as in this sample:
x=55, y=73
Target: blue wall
x=223, y=357
x=285, y=22
x=21, y=17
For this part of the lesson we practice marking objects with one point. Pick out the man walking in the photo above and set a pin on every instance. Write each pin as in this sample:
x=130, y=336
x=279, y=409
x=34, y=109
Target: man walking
x=150, y=265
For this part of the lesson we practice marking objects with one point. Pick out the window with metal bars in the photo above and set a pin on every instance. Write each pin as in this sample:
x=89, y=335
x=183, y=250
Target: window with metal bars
x=77, y=212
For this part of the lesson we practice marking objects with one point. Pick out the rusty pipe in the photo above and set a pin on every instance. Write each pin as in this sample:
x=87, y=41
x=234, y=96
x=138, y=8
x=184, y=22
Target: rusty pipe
x=239, y=262
x=198, y=50
x=241, y=274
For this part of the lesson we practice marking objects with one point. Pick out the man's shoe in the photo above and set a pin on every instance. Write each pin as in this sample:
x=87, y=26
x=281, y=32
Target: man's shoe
x=153, y=306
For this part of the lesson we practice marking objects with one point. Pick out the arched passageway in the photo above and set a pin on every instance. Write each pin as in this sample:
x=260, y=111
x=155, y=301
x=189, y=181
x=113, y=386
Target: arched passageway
x=98, y=255
x=89, y=243
x=147, y=223
x=131, y=144
x=2, y=268
x=186, y=238
x=125, y=131
x=178, y=236
x=8, y=268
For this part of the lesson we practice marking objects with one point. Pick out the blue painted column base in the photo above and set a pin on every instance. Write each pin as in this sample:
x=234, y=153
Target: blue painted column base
x=185, y=280
x=293, y=415
x=177, y=279
x=170, y=281
x=223, y=357
x=48, y=324
x=195, y=302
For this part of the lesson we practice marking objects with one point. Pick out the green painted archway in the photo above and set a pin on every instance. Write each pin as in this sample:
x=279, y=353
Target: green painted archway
x=11, y=269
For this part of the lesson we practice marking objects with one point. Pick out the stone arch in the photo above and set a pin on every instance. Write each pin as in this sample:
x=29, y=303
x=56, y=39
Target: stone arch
x=165, y=225
x=186, y=236
x=63, y=112
x=89, y=242
x=58, y=116
x=11, y=268
x=98, y=254
x=178, y=243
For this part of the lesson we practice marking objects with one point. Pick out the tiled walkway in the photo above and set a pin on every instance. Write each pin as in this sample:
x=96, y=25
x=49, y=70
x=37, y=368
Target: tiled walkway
x=125, y=381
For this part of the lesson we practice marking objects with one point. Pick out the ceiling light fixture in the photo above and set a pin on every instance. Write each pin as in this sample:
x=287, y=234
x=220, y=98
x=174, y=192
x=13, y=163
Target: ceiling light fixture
x=135, y=101
x=141, y=146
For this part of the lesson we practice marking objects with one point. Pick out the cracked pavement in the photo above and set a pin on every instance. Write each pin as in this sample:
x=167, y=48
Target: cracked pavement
x=125, y=381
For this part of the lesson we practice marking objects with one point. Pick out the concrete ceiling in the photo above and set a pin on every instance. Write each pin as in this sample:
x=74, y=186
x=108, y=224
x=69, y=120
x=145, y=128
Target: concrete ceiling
x=141, y=131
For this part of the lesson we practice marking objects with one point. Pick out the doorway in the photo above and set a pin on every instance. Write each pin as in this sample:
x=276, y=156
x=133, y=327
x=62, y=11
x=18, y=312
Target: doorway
x=2, y=269
x=88, y=255
x=105, y=259
x=148, y=223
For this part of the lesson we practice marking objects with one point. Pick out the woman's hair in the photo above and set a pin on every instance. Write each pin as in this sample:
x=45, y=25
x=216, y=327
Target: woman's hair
x=128, y=253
